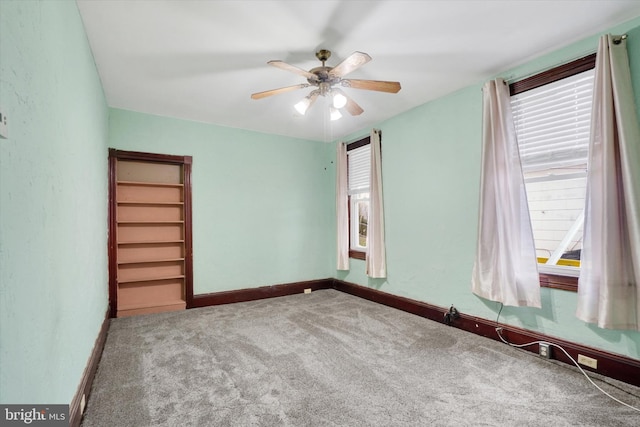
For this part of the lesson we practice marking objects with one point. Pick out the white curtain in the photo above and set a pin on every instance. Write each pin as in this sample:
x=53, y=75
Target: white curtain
x=608, y=287
x=342, y=209
x=376, y=255
x=506, y=267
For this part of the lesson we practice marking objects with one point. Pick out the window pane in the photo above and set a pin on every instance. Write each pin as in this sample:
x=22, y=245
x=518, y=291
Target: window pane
x=363, y=219
x=359, y=221
x=556, y=205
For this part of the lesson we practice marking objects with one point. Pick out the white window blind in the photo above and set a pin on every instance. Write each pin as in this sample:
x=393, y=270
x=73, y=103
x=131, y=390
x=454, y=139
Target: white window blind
x=359, y=168
x=552, y=123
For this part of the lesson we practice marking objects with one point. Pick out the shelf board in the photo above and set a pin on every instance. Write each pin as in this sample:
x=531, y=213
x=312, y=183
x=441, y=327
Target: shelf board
x=150, y=222
x=149, y=261
x=149, y=184
x=150, y=279
x=147, y=203
x=150, y=242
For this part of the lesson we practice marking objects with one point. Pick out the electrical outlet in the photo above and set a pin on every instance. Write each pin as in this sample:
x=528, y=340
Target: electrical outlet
x=83, y=403
x=588, y=361
x=307, y=291
x=544, y=350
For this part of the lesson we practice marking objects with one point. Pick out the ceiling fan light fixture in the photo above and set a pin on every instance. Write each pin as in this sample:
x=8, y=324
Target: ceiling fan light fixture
x=335, y=114
x=302, y=106
x=339, y=100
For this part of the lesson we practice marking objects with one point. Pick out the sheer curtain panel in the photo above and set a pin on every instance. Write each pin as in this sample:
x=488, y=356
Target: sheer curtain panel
x=376, y=255
x=608, y=292
x=342, y=210
x=505, y=267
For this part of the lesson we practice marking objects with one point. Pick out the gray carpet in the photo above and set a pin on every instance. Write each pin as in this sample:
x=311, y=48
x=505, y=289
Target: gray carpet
x=332, y=359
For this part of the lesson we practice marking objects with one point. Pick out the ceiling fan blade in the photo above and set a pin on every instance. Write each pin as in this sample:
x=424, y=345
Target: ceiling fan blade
x=351, y=106
x=351, y=63
x=380, y=86
x=260, y=95
x=288, y=67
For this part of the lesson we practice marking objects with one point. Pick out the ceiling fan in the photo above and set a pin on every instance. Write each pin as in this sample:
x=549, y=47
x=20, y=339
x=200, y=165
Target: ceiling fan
x=328, y=80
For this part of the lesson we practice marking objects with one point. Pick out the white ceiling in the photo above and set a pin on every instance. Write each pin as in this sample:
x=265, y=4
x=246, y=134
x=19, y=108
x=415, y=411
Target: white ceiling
x=201, y=60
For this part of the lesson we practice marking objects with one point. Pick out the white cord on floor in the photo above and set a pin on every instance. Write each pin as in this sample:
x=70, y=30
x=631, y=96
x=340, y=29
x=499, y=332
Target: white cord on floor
x=499, y=330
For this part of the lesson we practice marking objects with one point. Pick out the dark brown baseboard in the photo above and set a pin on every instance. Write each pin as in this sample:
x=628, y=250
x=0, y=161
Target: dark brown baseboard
x=84, y=389
x=251, y=294
x=611, y=365
x=419, y=308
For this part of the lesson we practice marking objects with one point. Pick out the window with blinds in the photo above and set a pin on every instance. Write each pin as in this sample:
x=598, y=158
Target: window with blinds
x=358, y=177
x=552, y=122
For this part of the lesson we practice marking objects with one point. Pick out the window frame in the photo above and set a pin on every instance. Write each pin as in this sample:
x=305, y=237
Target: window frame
x=554, y=280
x=352, y=146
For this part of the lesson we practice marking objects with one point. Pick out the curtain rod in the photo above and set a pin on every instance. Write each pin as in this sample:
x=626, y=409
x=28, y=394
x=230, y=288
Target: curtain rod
x=511, y=79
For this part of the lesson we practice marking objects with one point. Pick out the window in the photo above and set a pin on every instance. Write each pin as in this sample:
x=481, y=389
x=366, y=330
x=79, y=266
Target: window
x=552, y=115
x=358, y=178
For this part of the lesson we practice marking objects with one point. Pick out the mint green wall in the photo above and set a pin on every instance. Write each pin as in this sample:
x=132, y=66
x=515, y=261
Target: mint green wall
x=53, y=202
x=431, y=170
x=262, y=205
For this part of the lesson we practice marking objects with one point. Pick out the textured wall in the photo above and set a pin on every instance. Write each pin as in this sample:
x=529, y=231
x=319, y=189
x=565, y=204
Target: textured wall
x=53, y=202
x=262, y=204
x=431, y=172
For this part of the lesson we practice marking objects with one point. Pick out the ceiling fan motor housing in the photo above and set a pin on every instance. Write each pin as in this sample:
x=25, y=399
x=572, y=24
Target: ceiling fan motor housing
x=323, y=55
x=323, y=79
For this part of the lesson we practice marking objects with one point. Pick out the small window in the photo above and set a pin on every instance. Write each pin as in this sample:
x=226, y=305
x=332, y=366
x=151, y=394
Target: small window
x=552, y=118
x=358, y=177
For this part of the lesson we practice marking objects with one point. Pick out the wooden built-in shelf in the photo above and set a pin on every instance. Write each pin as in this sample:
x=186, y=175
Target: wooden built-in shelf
x=150, y=233
x=152, y=279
